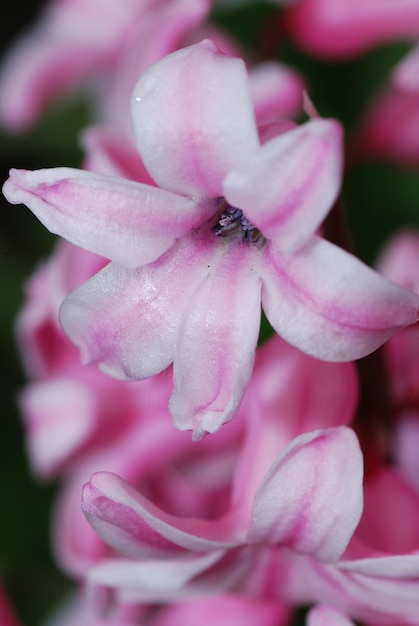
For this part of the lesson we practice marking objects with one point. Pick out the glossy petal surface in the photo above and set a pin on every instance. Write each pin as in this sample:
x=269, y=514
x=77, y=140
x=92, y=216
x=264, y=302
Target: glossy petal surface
x=311, y=498
x=217, y=341
x=190, y=146
x=287, y=188
x=133, y=525
x=125, y=221
x=329, y=304
x=127, y=321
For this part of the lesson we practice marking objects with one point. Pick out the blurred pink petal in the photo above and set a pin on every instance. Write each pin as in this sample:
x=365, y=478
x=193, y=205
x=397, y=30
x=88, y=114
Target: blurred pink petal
x=276, y=91
x=406, y=442
x=107, y=153
x=388, y=129
x=74, y=41
x=60, y=414
x=225, y=610
x=399, y=259
x=322, y=615
x=405, y=75
x=8, y=617
x=343, y=28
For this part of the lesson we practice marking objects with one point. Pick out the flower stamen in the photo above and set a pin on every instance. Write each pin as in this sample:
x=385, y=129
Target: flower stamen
x=232, y=221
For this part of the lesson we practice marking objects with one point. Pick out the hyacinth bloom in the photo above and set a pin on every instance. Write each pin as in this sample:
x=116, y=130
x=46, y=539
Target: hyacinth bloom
x=148, y=452
x=232, y=224
x=264, y=500
x=251, y=548
x=194, y=478
x=96, y=409
x=309, y=501
x=340, y=29
x=377, y=579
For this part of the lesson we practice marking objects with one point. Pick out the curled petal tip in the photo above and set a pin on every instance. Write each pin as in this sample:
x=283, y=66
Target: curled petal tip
x=210, y=44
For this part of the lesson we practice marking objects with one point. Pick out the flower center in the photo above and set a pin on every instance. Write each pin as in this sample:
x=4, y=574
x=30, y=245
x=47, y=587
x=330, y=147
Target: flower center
x=232, y=222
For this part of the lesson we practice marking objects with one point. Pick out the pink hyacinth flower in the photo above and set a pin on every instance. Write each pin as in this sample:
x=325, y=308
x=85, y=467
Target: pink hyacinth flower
x=195, y=479
x=231, y=226
x=273, y=415
x=377, y=579
x=343, y=28
x=309, y=501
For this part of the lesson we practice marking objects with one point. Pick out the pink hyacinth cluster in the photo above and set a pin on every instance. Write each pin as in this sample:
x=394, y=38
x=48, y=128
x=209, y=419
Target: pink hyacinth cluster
x=225, y=394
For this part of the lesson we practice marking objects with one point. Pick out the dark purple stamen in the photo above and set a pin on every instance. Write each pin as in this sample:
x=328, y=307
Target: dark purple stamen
x=232, y=221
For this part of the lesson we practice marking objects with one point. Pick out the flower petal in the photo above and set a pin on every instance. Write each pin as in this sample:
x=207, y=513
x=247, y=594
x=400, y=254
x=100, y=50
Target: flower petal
x=232, y=609
x=406, y=445
x=194, y=120
x=275, y=414
x=134, y=526
x=311, y=498
x=8, y=617
x=218, y=335
x=122, y=220
x=108, y=152
x=405, y=75
x=59, y=414
x=127, y=320
x=147, y=577
x=60, y=50
x=399, y=566
x=338, y=30
x=329, y=304
x=162, y=28
x=277, y=91
x=399, y=259
x=388, y=129
x=287, y=187
x=322, y=615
